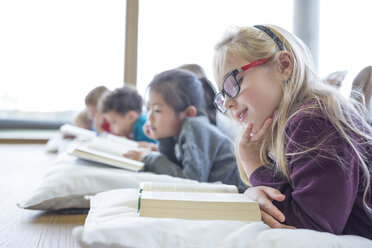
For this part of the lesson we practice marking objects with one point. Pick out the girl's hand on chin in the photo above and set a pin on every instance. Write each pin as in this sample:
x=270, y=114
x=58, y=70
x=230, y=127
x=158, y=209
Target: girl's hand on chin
x=249, y=145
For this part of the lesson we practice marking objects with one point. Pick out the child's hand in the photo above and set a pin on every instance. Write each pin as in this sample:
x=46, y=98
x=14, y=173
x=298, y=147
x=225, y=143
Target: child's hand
x=249, y=145
x=271, y=215
x=145, y=144
x=135, y=155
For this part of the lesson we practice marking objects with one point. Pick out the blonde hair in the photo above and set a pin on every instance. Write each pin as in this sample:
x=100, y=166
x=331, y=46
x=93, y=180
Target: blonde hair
x=93, y=96
x=304, y=85
x=83, y=120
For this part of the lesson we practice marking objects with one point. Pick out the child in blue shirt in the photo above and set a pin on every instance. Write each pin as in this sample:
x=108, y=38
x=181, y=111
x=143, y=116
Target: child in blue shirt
x=123, y=110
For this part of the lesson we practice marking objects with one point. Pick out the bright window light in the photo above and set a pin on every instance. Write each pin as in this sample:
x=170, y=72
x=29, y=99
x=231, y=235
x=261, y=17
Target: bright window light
x=173, y=33
x=52, y=53
x=345, y=38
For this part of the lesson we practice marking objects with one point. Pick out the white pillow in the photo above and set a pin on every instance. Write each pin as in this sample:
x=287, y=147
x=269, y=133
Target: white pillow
x=113, y=222
x=70, y=179
x=58, y=144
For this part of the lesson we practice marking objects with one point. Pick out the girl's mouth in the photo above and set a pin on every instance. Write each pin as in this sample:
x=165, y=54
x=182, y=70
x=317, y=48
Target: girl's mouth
x=241, y=115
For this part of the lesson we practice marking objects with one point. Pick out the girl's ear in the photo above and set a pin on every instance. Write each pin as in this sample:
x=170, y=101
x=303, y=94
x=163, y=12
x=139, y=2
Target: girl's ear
x=190, y=111
x=285, y=64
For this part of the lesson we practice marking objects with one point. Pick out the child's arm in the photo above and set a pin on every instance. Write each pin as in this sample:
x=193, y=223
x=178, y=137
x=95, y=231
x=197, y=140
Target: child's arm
x=160, y=164
x=145, y=144
x=195, y=152
x=164, y=161
x=188, y=167
x=323, y=186
x=271, y=215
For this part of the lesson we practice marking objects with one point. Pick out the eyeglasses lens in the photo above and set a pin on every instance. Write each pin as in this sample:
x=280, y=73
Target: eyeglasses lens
x=220, y=101
x=230, y=86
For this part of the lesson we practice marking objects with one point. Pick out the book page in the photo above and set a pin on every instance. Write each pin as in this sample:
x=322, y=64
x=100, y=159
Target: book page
x=114, y=146
x=195, y=196
x=188, y=187
x=123, y=140
x=68, y=129
x=107, y=158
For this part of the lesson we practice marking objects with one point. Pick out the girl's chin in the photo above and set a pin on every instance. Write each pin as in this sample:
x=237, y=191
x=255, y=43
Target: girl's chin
x=156, y=135
x=245, y=123
x=256, y=127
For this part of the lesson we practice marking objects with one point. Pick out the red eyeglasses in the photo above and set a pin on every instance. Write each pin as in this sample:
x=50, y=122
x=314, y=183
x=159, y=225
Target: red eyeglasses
x=231, y=85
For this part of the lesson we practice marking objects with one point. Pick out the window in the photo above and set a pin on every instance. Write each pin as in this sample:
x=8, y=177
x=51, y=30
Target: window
x=54, y=52
x=172, y=33
x=345, y=38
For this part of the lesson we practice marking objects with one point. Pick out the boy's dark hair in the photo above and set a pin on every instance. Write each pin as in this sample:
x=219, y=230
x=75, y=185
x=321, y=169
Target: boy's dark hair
x=180, y=89
x=121, y=100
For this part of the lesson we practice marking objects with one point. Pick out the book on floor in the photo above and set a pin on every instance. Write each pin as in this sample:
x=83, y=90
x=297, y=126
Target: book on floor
x=77, y=132
x=200, y=201
x=110, y=151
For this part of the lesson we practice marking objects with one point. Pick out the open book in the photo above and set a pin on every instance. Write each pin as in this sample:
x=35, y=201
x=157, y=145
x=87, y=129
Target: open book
x=78, y=132
x=196, y=201
x=110, y=151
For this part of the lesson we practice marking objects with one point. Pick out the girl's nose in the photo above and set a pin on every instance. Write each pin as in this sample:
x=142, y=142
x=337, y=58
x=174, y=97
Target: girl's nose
x=149, y=115
x=229, y=103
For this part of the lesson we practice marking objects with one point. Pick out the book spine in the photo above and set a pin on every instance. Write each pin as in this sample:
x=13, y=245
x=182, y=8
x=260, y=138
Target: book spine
x=139, y=201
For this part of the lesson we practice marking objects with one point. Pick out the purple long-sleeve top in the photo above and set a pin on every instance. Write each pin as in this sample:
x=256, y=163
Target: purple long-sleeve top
x=325, y=192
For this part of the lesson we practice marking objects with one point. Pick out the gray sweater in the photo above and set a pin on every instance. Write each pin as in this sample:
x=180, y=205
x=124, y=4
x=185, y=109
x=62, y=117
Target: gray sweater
x=200, y=152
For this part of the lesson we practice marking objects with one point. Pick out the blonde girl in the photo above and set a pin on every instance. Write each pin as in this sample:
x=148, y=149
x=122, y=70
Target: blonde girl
x=304, y=146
